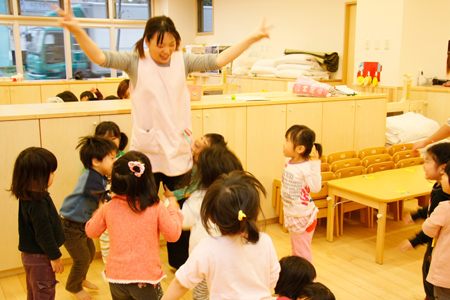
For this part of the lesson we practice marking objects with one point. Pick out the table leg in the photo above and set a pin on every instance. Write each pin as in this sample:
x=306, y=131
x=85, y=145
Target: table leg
x=330, y=215
x=381, y=232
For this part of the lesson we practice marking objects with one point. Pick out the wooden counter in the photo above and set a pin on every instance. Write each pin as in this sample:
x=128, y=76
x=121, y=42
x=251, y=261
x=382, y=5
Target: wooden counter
x=254, y=130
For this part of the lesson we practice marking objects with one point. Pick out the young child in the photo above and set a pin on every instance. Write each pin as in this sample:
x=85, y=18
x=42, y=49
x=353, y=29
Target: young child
x=97, y=155
x=296, y=272
x=316, y=291
x=437, y=226
x=40, y=231
x=212, y=163
x=92, y=94
x=241, y=263
x=437, y=156
x=301, y=175
x=110, y=130
x=135, y=216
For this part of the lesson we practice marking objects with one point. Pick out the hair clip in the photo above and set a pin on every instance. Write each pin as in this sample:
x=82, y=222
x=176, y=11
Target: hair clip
x=241, y=215
x=132, y=164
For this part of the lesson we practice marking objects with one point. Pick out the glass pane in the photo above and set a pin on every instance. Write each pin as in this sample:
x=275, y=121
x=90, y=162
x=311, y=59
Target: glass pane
x=4, y=7
x=89, y=8
x=38, y=8
x=125, y=40
x=133, y=9
x=44, y=52
x=205, y=15
x=7, y=59
x=80, y=62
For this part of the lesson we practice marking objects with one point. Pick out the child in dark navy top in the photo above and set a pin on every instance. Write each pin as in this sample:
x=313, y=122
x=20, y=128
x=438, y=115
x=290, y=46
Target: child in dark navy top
x=97, y=155
x=436, y=158
x=40, y=231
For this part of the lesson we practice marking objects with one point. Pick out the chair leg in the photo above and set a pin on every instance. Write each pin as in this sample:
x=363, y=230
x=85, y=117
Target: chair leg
x=423, y=201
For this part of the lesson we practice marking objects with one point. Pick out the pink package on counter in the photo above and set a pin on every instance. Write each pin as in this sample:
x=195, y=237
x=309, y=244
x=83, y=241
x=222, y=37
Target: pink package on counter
x=305, y=86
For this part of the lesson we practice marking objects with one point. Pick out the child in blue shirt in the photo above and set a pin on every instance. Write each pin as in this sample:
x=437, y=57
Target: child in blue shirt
x=97, y=155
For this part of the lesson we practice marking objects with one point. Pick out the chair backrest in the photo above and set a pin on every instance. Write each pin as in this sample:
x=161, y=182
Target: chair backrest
x=323, y=158
x=324, y=167
x=381, y=166
x=373, y=159
x=327, y=176
x=335, y=156
x=323, y=193
x=345, y=163
x=351, y=171
x=400, y=147
x=371, y=151
x=404, y=154
x=408, y=162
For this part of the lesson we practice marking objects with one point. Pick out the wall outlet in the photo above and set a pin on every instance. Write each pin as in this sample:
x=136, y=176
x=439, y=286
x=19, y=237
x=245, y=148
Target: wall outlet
x=367, y=44
x=387, y=44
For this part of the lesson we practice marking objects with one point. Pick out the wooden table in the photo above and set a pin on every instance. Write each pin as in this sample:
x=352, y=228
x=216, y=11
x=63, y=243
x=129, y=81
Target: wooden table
x=377, y=190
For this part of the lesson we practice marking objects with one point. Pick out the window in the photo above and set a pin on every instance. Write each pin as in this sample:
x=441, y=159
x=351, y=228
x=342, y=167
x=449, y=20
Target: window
x=126, y=39
x=4, y=8
x=7, y=53
x=37, y=8
x=204, y=16
x=89, y=9
x=133, y=9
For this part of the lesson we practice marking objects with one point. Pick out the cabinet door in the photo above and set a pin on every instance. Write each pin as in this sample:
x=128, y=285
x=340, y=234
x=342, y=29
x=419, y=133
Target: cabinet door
x=338, y=126
x=108, y=88
x=370, y=123
x=15, y=136
x=309, y=114
x=197, y=123
x=51, y=90
x=231, y=123
x=259, y=85
x=25, y=94
x=5, y=97
x=78, y=88
x=266, y=127
x=61, y=137
x=124, y=123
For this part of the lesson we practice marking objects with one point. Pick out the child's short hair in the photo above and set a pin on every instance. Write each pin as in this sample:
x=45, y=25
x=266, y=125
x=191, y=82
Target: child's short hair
x=216, y=139
x=232, y=203
x=31, y=173
x=88, y=94
x=132, y=176
x=440, y=153
x=447, y=171
x=68, y=96
x=295, y=273
x=111, y=128
x=94, y=147
x=316, y=291
x=213, y=162
x=301, y=135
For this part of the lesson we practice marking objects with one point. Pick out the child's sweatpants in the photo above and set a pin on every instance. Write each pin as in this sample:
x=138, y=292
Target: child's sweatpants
x=301, y=242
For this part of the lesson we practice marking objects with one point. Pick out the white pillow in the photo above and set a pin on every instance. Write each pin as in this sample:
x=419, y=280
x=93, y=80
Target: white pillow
x=300, y=67
x=409, y=127
x=267, y=62
x=303, y=59
x=263, y=70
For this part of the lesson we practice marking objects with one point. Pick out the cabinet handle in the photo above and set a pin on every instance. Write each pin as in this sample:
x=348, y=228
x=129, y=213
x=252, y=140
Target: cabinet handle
x=283, y=110
x=207, y=115
x=198, y=116
x=94, y=123
x=290, y=109
x=359, y=105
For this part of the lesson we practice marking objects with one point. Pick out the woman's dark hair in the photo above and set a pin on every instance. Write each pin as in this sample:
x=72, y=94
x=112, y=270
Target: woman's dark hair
x=31, y=173
x=295, y=273
x=68, y=96
x=122, y=88
x=440, y=153
x=316, y=291
x=157, y=25
x=301, y=135
x=216, y=139
x=112, y=129
x=141, y=191
x=94, y=147
x=111, y=97
x=229, y=196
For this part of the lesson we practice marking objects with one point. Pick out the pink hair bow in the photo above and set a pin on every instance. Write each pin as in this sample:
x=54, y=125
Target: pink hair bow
x=133, y=164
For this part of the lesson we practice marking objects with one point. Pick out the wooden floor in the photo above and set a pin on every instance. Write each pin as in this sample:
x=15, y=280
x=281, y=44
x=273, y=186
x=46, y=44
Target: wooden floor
x=347, y=266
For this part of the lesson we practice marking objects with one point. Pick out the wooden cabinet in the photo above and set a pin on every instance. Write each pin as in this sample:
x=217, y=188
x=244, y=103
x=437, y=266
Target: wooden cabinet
x=15, y=136
x=5, y=97
x=25, y=94
x=108, y=88
x=124, y=123
x=77, y=89
x=309, y=114
x=231, y=123
x=266, y=126
x=197, y=123
x=51, y=90
x=369, y=123
x=438, y=107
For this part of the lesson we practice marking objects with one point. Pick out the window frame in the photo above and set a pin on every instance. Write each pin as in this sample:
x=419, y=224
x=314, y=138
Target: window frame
x=199, y=17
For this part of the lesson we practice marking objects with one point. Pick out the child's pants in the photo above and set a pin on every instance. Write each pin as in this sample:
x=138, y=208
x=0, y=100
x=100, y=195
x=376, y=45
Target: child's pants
x=301, y=243
x=81, y=249
x=41, y=279
x=441, y=293
x=135, y=291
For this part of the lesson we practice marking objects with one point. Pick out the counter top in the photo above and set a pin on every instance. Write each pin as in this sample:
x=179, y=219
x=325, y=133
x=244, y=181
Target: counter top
x=111, y=107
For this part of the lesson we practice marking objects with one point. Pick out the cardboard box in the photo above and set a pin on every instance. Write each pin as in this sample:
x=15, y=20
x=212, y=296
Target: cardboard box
x=195, y=91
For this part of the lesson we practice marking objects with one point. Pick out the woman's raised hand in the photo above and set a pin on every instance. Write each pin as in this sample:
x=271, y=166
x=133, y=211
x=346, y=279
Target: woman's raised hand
x=262, y=31
x=67, y=19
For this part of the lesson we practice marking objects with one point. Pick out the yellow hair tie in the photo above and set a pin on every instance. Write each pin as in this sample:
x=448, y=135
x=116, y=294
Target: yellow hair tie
x=241, y=215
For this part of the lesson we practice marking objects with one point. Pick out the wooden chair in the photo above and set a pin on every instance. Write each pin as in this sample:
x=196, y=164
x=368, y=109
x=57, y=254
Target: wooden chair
x=335, y=156
x=377, y=158
x=408, y=162
x=371, y=151
x=345, y=163
x=349, y=206
x=277, y=203
x=400, y=147
x=324, y=167
x=404, y=155
x=381, y=166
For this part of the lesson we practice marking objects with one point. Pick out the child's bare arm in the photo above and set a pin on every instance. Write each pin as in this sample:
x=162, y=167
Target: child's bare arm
x=175, y=290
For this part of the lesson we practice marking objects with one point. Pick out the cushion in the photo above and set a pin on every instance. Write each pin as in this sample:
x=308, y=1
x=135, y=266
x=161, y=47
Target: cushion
x=409, y=127
x=303, y=59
